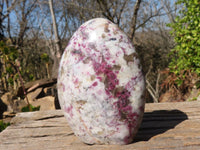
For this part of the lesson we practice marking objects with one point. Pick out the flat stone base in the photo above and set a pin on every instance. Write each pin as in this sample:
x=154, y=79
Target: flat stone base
x=164, y=126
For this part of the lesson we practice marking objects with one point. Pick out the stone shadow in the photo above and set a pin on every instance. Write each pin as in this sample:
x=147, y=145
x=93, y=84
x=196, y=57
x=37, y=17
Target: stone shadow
x=158, y=122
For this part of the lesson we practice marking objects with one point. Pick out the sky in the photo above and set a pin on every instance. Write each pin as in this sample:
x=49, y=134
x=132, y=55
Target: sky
x=16, y=28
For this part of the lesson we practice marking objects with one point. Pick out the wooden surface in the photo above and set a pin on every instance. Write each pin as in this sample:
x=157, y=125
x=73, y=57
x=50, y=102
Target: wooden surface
x=164, y=126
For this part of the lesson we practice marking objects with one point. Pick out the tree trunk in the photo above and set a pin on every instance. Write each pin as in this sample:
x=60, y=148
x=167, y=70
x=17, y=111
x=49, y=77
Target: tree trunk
x=57, y=54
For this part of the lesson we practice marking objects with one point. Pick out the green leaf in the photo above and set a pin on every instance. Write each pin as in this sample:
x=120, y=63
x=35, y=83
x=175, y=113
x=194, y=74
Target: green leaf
x=45, y=57
x=9, y=69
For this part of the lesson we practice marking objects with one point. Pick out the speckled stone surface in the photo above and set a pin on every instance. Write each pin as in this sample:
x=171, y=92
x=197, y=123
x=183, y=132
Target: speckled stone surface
x=101, y=85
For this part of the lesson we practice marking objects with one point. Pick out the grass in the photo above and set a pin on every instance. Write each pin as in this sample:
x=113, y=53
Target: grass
x=26, y=108
x=3, y=125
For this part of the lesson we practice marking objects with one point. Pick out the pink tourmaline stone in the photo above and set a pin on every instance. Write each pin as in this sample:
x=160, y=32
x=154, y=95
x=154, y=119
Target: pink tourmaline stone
x=101, y=85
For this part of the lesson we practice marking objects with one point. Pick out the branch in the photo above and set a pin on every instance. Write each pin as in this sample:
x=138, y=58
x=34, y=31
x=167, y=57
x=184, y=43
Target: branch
x=120, y=13
x=134, y=20
x=150, y=87
x=150, y=17
x=48, y=41
x=104, y=6
x=8, y=24
x=80, y=7
x=153, y=92
x=168, y=12
x=157, y=85
x=30, y=8
x=9, y=9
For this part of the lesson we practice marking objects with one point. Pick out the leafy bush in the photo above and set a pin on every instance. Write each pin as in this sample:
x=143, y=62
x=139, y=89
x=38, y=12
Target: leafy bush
x=184, y=68
x=186, y=54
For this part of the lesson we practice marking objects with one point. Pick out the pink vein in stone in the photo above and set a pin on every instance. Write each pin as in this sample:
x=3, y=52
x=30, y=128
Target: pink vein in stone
x=134, y=80
x=69, y=110
x=100, y=78
x=111, y=78
x=63, y=86
x=95, y=84
x=125, y=112
x=124, y=109
x=76, y=81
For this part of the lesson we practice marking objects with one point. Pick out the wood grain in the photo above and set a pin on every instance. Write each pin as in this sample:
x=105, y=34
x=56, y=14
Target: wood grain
x=165, y=126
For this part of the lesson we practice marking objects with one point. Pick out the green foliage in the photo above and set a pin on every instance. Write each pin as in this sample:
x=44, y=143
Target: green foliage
x=186, y=30
x=31, y=77
x=13, y=66
x=3, y=125
x=9, y=55
x=197, y=84
x=26, y=108
x=45, y=57
x=193, y=99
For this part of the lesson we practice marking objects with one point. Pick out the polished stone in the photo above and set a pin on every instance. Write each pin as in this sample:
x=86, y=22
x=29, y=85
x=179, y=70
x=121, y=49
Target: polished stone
x=101, y=85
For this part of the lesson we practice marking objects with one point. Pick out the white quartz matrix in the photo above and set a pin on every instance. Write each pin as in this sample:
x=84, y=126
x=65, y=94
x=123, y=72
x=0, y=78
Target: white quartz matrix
x=101, y=85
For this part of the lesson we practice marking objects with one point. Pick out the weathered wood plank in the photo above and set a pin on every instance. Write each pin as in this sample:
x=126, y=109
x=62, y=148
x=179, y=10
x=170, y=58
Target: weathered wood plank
x=165, y=126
